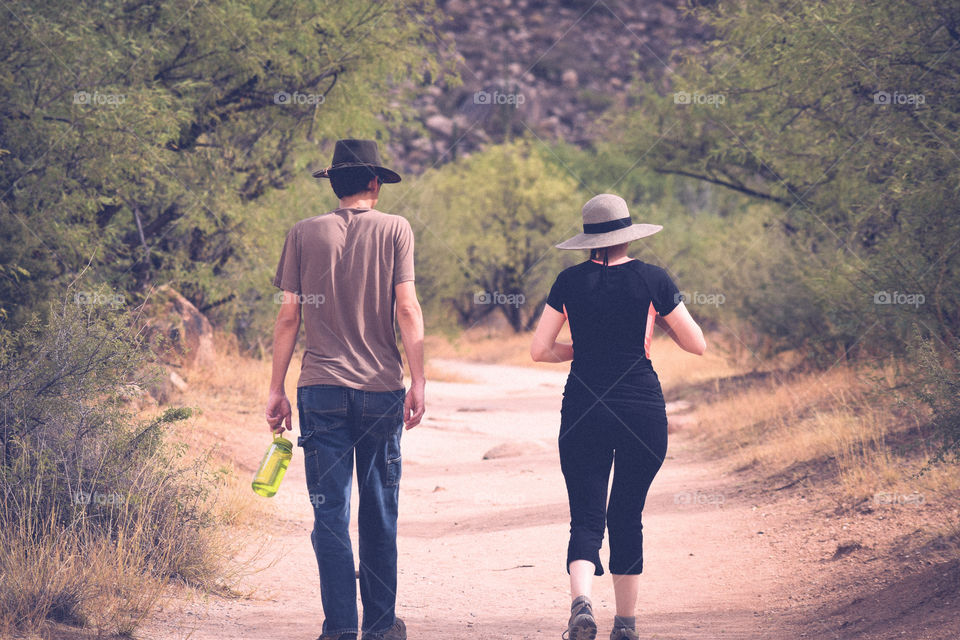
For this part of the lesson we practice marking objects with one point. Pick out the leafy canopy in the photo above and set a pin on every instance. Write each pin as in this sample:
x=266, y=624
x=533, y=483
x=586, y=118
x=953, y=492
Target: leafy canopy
x=134, y=134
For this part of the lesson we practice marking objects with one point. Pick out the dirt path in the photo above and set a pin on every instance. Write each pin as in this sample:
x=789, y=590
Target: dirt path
x=482, y=542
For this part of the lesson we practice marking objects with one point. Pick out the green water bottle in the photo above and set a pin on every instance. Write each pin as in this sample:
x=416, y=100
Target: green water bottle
x=273, y=466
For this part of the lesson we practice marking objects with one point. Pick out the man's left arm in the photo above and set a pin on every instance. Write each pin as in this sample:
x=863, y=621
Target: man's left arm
x=284, y=340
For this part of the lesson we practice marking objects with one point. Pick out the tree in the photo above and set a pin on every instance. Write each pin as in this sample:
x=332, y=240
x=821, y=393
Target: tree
x=485, y=228
x=845, y=116
x=135, y=134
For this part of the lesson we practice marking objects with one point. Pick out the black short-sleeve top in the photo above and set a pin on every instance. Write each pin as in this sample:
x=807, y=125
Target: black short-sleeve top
x=612, y=315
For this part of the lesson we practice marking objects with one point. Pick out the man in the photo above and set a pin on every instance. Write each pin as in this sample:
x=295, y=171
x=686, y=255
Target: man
x=349, y=272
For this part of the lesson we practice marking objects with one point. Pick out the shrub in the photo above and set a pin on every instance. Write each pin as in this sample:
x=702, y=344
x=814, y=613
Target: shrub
x=937, y=386
x=96, y=508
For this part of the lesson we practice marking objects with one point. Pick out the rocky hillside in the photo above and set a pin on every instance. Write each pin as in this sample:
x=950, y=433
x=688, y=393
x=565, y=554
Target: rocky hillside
x=542, y=68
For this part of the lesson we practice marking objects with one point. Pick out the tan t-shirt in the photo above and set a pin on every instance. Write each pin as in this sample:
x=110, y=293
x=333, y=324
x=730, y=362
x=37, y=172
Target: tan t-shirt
x=344, y=265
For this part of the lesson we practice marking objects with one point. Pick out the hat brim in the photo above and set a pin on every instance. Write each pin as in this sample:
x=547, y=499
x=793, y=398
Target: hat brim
x=386, y=175
x=611, y=238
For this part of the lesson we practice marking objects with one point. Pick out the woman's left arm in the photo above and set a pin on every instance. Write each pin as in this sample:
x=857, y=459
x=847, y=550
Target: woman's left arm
x=545, y=347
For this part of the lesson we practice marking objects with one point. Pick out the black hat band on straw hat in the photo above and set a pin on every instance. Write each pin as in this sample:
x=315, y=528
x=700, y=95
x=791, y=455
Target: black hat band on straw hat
x=605, y=227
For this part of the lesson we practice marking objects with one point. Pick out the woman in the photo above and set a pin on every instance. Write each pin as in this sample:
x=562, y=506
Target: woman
x=612, y=407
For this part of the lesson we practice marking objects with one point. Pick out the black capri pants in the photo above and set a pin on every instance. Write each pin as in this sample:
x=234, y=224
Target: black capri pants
x=626, y=429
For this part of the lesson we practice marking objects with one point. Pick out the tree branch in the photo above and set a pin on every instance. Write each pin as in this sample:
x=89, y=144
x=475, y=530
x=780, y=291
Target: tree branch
x=730, y=185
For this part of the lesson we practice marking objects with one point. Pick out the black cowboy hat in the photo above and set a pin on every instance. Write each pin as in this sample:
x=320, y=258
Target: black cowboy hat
x=351, y=153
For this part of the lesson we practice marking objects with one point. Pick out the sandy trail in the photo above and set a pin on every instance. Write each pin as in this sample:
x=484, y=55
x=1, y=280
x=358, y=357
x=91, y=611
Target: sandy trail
x=482, y=542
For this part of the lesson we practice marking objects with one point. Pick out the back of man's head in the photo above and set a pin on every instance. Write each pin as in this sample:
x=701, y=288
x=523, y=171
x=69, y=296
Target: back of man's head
x=351, y=181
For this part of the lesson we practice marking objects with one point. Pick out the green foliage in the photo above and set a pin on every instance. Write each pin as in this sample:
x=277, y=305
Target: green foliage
x=12, y=274
x=485, y=227
x=81, y=475
x=704, y=228
x=938, y=387
x=844, y=116
x=137, y=134
x=250, y=315
x=65, y=387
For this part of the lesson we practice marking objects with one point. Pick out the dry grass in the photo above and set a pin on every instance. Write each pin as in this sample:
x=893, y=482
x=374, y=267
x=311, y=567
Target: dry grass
x=774, y=422
x=231, y=397
x=832, y=424
x=107, y=579
x=75, y=578
x=104, y=570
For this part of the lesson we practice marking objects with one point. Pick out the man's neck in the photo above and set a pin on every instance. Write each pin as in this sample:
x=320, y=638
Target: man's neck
x=358, y=201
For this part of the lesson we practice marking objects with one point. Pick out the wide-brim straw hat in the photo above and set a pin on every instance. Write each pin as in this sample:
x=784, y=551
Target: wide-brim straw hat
x=606, y=223
x=350, y=153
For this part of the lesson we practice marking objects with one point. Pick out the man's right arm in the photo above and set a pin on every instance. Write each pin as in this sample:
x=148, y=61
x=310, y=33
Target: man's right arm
x=284, y=340
x=410, y=319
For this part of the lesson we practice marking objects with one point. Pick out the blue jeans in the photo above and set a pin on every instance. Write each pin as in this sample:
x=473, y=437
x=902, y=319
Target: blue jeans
x=336, y=424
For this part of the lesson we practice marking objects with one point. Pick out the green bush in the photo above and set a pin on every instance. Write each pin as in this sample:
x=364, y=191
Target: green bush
x=852, y=145
x=141, y=158
x=95, y=505
x=937, y=386
x=485, y=228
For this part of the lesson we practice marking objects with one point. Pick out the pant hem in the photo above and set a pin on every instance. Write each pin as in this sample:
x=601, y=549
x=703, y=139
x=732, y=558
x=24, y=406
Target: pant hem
x=598, y=567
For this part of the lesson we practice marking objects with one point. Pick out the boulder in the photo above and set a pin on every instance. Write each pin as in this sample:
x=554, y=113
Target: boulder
x=178, y=382
x=677, y=423
x=177, y=330
x=162, y=389
x=440, y=124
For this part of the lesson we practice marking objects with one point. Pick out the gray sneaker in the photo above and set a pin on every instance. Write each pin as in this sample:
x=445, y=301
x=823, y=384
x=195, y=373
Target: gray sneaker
x=622, y=633
x=582, y=625
x=397, y=632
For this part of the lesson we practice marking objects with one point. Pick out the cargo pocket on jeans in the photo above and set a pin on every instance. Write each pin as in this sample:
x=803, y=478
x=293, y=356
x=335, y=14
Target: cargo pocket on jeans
x=392, y=458
x=392, y=477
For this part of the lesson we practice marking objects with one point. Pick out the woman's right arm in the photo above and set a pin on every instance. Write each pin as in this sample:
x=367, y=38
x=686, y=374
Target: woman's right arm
x=684, y=330
x=545, y=347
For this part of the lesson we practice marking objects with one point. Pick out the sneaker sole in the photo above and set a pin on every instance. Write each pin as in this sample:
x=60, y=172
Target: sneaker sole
x=583, y=627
